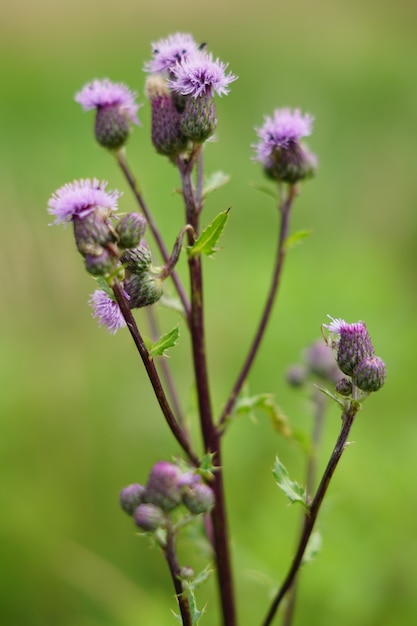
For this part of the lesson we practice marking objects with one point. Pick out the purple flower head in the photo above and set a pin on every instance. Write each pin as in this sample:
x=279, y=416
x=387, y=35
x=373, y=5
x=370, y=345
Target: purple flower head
x=199, y=75
x=107, y=311
x=280, y=131
x=81, y=198
x=170, y=51
x=103, y=93
x=353, y=345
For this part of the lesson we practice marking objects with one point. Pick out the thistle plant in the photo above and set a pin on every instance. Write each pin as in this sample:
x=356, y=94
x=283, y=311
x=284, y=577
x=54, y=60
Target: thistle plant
x=183, y=83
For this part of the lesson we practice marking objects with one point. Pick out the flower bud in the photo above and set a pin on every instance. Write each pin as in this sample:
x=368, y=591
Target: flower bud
x=344, y=387
x=112, y=127
x=100, y=264
x=296, y=375
x=163, y=488
x=199, y=121
x=320, y=361
x=198, y=498
x=130, y=229
x=149, y=517
x=167, y=136
x=354, y=345
x=130, y=497
x=93, y=231
x=370, y=374
x=143, y=289
x=137, y=260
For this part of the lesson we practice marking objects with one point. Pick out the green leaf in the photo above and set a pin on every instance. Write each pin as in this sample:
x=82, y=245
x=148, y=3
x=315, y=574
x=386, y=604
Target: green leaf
x=270, y=191
x=206, y=242
x=169, y=340
x=331, y=395
x=214, y=182
x=293, y=491
x=265, y=402
x=296, y=238
x=207, y=469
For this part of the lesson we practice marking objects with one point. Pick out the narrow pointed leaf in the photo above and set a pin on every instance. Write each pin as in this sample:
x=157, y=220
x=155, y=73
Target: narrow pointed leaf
x=214, y=182
x=265, y=402
x=169, y=340
x=206, y=242
x=313, y=547
x=296, y=238
x=293, y=491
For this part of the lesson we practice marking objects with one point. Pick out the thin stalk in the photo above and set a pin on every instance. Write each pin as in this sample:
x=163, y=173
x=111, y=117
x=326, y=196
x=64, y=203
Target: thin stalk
x=285, y=210
x=210, y=433
x=153, y=375
x=175, y=571
x=123, y=164
x=311, y=515
x=318, y=420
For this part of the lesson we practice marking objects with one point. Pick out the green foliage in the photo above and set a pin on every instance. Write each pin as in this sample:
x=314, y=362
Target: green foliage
x=293, y=491
x=169, y=340
x=207, y=241
x=296, y=238
x=313, y=547
x=215, y=181
x=264, y=402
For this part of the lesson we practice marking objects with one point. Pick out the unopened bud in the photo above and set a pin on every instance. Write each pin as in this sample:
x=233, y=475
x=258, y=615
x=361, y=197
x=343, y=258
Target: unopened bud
x=93, y=231
x=344, y=387
x=100, y=264
x=163, y=488
x=130, y=497
x=143, y=289
x=149, y=517
x=137, y=260
x=167, y=136
x=198, y=498
x=370, y=374
x=130, y=229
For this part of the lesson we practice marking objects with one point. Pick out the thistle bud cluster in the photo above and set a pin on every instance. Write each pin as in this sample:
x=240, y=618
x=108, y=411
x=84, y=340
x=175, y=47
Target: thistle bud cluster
x=168, y=487
x=355, y=357
x=181, y=86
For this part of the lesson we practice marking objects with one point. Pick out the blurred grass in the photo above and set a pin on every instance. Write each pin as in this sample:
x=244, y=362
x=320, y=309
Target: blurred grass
x=78, y=418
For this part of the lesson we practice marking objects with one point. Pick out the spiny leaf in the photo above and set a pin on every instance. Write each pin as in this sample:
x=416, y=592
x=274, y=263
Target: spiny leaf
x=214, y=182
x=293, y=491
x=206, y=242
x=169, y=340
x=296, y=238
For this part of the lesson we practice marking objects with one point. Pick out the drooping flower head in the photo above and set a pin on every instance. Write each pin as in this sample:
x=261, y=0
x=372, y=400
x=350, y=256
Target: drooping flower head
x=200, y=75
x=279, y=149
x=81, y=198
x=170, y=51
x=104, y=93
x=107, y=311
x=116, y=111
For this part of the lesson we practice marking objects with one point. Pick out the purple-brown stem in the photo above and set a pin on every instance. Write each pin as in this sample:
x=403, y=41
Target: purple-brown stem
x=175, y=571
x=121, y=160
x=149, y=364
x=211, y=438
x=285, y=210
x=313, y=510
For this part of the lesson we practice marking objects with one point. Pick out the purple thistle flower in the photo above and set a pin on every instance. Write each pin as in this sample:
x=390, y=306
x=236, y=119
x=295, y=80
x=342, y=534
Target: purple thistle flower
x=199, y=75
x=286, y=127
x=107, y=311
x=170, y=51
x=81, y=198
x=353, y=345
x=103, y=94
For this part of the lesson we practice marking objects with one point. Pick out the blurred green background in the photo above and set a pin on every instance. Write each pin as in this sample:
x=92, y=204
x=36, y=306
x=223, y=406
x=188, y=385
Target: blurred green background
x=78, y=419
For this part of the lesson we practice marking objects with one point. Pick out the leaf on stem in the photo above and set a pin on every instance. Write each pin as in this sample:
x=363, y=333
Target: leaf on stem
x=265, y=402
x=332, y=396
x=270, y=191
x=169, y=340
x=206, y=242
x=293, y=491
x=296, y=239
x=313, y=547
x=214, y=182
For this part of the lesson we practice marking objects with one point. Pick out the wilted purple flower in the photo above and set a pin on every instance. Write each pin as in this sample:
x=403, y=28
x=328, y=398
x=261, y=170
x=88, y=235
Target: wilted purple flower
x=107, y=311
x=199, y=75
x=103, y=93
x=279, y=131
x=170, y=51
x=81, y=198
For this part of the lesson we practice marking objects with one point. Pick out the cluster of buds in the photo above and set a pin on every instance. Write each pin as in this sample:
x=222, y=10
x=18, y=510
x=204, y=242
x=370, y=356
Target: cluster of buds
x=355, y=357
x=181, y=86
x=167, y=488
x=318, y=364
x=111, y=246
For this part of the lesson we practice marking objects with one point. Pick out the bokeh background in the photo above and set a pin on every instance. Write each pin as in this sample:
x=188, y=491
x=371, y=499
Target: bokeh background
x=78, y=419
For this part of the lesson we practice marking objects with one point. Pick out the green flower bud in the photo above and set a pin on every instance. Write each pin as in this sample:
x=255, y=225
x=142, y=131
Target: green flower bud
x=112, y=127
x=198, y=498
x=370, y=374
x=344, y=387
x=100, y=264
x=130, y=229
x=199, y=120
